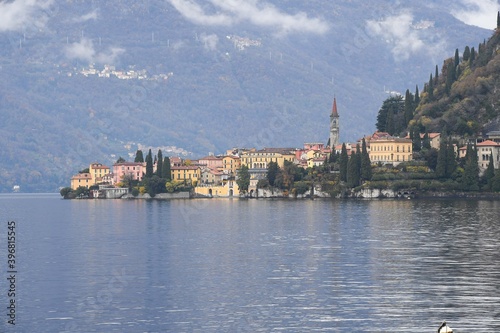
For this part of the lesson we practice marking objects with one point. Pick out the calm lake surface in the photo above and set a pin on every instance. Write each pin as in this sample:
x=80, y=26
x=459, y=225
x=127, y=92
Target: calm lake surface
x=252, y=265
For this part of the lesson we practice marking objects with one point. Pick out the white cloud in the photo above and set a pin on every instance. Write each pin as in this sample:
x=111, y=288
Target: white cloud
x=84, y=50
x=481, y=13
x=229, y=12
x=16, y=15
x=87, y=17
x=400, y=33
x=209, y=41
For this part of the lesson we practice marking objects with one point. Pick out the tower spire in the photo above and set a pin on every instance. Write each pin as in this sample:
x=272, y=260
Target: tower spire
x=334, y=108
x=334, y=125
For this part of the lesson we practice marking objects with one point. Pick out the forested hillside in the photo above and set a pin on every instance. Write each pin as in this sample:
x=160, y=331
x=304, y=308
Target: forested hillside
x=461, y=97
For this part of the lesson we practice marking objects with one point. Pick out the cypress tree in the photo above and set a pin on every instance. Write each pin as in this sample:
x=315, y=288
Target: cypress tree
x=409, y=107
x=498, y=19
x=343, y=161
x=417, y=96
x=457, y=58
x=426, y=142
x=489, y=173
x=165, y=170
x=451, y=162
x=470, y=180
x=366, y=164
x=416, y=140
x=436, y=75
x=159, y=164
x=466, y=54
x=353, y=170
x=450, y=77
x=430, y=88
x=139, y=157
x=472, y=56
x=149, y=165
x=441, y=160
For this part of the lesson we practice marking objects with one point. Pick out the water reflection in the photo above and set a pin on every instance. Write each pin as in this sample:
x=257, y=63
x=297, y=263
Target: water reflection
x=259, y=265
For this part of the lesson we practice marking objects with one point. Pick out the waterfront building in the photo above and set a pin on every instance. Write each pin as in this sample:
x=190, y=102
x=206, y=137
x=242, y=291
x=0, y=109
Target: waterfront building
x=188, y=174
x=484, y=150
x=390, y=150
x=135, y=169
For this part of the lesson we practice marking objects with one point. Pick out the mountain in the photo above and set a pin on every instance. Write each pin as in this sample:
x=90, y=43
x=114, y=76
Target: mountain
x=194, y=77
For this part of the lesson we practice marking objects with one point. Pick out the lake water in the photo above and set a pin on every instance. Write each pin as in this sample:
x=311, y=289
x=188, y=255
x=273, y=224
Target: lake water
x=252, y=265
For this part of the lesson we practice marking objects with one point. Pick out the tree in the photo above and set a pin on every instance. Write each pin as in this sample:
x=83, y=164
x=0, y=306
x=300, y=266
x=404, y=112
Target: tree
x=353, y=170
x=472, y=56
x=498, y=19
x=426, y=142
x=415, y=139
x=451, y=161
x=344, y=160
x=470, y=179
x=166, y=169
x=272, y=172
x=128, y=180
x=441, y=160
x=431, y=157
x=243, y=179
x=139, y=157
x=457, y=58
x=154, y=185
x=149, y=165
x=65, y=192
x=366, y=165
x=409, y=107
x=436, y=75
x=159, y=164
x=489, y=173
x=120, y=160
x=417, y=97
x=430, y=88
x=450, y=76
x=86, y=170
x=495, y=181
x=466, y=54
x=390, y=117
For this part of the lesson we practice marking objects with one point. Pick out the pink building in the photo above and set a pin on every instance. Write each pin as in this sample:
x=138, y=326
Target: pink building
x=136, y=169
x=211, y=162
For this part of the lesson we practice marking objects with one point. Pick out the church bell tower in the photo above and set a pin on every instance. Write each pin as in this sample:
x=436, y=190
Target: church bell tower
x=334, y=126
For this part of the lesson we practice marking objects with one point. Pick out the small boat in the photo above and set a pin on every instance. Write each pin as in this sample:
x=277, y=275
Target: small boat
x=444, y=328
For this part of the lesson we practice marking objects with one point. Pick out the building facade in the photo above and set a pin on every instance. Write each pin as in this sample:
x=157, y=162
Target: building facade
x=390, y=150
x=135, y=169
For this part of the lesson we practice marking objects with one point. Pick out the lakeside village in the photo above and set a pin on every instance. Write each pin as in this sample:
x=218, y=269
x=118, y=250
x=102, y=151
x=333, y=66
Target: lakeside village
x=376, y=166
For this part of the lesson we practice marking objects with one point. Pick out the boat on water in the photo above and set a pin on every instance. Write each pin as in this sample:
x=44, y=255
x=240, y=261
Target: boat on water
x=444, y=328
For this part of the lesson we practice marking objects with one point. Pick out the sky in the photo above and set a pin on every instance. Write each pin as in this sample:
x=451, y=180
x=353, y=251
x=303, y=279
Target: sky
x=480, y=13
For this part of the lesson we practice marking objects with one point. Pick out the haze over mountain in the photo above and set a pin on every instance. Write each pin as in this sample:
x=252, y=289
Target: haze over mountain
x=205, y=76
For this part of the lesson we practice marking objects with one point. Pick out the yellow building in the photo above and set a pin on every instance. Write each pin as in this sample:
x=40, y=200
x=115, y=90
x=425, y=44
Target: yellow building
x=95, y=176
x=390, y=150
x=97, y=171
x=81, y=179
x=227, y=189
x=188, y=174
x=231, y=164
x=259, y=159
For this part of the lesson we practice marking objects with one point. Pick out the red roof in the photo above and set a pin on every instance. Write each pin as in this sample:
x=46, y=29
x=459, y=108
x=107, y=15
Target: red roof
x=488, y=143
x=334, y=108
